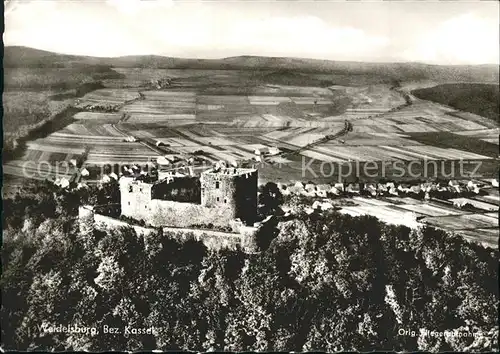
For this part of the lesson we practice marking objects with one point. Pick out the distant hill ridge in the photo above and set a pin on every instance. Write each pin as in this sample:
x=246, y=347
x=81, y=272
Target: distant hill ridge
x=16, y=56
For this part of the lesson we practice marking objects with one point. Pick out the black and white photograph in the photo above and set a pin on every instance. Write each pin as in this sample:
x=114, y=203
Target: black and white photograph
x=250, y=176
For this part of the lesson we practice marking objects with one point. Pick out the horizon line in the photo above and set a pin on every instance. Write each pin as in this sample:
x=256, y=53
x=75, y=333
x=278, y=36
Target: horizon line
x=247, y=55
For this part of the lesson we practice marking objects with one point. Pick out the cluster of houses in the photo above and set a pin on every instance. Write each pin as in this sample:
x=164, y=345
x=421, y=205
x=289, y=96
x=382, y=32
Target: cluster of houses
x=65, y=182
x=199, y=156
x=101, y=107
x=261, y=153
x=168, y=160
x=323, y=195
x=77, y=179
x=427, y=189
x=81, y=174
x=464, y=203
x=313, y=190
x=160, y=83
x=74, y=179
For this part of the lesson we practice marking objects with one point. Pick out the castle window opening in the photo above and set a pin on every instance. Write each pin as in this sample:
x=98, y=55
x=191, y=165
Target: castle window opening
x=128, y=203
x=130, y=189
x=225, y=200
x=218, y=199
x=217, y=185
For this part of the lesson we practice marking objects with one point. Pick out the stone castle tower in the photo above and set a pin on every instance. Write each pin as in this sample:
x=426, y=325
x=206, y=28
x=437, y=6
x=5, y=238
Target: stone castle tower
x=231, y=188
x=135, y=198
x=218, y=197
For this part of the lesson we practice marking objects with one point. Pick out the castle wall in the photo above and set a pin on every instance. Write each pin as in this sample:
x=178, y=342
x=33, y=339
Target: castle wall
x=224, y=197
x=157, y=212
x=214, y=240
x=103, y=222
x=248, y=235
x=88, y=220
x=166, y=212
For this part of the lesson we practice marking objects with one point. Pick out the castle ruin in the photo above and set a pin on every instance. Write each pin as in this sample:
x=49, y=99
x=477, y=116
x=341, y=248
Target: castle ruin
x=219, y=197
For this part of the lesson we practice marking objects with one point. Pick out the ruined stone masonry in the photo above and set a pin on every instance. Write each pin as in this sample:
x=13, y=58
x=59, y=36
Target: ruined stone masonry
x=222, y=197
x=218, y=197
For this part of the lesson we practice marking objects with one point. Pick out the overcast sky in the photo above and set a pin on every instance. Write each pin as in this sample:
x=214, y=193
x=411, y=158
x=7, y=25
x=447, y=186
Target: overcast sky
x=440, y=32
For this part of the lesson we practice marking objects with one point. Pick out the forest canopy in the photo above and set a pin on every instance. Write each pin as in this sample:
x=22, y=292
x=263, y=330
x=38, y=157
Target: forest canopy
x=327, y=282
x=481, y=99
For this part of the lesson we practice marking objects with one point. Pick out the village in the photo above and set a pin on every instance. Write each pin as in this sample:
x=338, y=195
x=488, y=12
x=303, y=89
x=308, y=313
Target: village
x=466, y=207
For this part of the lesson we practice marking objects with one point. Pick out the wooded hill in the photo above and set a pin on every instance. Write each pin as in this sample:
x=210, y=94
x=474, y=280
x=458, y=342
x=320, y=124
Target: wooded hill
x=481, y=99
x=326, y=283
x=16, y=56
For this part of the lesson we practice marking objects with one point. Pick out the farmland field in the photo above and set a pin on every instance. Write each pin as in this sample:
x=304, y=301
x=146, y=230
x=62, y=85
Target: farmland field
x=228, y=114
x=477, y=227
x=226, y=126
